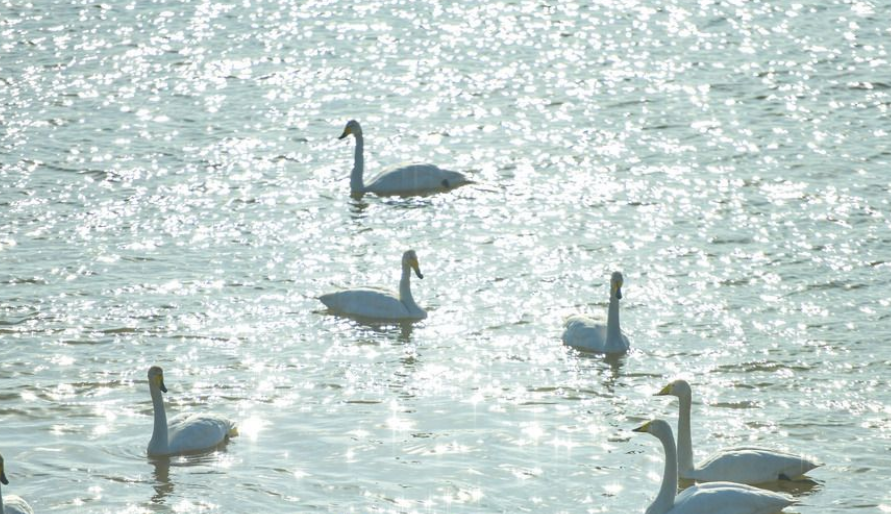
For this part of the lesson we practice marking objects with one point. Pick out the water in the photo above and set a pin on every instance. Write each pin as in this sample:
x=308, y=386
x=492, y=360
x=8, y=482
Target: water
x=173, y=193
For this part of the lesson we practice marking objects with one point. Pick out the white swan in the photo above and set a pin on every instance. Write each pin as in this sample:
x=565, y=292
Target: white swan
x=713, y=498
x=586, y=334
x=379, y=304
x=186, y=433
x=744, y=465
x=417, y=179
x=11, y=504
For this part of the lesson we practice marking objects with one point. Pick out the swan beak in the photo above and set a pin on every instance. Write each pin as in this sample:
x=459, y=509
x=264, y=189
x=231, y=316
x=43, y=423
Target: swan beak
x=619, y=292
x=346, y=132
x=3, y=479
x=417, y=268
x=665, y=391
x=643, y=428
x=161, y=384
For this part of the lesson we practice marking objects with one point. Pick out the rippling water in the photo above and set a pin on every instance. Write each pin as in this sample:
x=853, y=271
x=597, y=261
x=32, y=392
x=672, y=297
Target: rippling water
x=172, y=192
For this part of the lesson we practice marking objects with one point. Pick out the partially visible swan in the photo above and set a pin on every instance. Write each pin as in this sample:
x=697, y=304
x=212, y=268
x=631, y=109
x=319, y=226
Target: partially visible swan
x=586, y=334
x=713, y=498
x=11, y=504
x=380, y=304
x=186, y=433
x=745, y=465
x=417, y=179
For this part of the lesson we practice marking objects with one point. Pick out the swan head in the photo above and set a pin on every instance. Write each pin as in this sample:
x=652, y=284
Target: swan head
x=679, y=388
x=352, y=127
x=156, y=378
x=656, y=427
x=410, y=260
x=3, y=479
x=615, y=284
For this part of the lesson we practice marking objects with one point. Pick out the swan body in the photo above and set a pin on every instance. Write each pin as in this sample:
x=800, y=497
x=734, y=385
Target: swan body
x=186, y=433
x=379, y=304
x=417, y=179
x=744, y=464
x=11, y=504
x=711, y=498
x=588, y=335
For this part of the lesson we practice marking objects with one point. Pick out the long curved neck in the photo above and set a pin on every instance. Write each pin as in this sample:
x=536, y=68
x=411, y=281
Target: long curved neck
x=665, y=499
x=357, y=186
x=685, y=440
x=2, y=511
x=613, y=331
x=405, y=291
x=158, y=443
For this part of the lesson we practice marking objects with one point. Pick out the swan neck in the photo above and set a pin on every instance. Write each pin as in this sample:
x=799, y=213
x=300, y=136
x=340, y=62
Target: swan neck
x=405, y=291
x=664, y=501
x=1, y=503
x=613, y=330
x=685, y=440
x=357, y=185
x=158, y=443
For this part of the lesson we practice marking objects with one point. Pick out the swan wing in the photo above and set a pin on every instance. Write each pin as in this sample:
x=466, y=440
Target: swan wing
x=728, y=498
x=13, y=504
x=751, y=465
x=367, y=303
x=416, y=179
x=197, y=432
x=589, y=335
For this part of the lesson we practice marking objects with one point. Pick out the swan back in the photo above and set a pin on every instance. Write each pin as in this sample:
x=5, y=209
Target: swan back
x=729, y=498
x=749, y=465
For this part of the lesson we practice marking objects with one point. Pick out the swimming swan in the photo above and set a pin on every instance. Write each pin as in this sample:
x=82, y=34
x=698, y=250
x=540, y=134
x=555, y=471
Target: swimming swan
x=713, y=498
x=417, y=179
x=186, y=433
x=745, y=465
x=380, y=304
x=11, y=504
x=586, y=334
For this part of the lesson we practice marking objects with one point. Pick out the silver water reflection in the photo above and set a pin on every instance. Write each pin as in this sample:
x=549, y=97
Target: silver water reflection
x=173, y=193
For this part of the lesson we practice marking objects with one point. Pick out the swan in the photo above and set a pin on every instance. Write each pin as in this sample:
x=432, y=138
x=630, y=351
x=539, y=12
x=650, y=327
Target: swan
x=417, y=179
x=11, y=504
x=712, y=498
x=186, y=433
x=588, y=335
x=380, y=304
x=745, y=465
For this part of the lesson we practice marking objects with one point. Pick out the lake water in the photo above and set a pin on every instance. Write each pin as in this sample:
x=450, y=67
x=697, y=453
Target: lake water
x=173, y=192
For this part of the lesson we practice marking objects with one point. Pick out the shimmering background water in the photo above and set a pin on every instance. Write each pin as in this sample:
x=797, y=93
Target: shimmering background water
x=172, y=192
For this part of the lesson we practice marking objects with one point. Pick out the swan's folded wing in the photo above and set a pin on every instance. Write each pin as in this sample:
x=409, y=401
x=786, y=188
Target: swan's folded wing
x=198, y=432
x=415, y=179
x=585, y=334
x=729, y=498
x=366, y=303
x=752, y=465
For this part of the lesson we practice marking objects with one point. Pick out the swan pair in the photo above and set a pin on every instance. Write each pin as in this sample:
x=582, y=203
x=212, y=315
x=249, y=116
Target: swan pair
x=710, y=498
x=727, y=474
x=11, y=504
x=417, y=179
x=381, y=305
